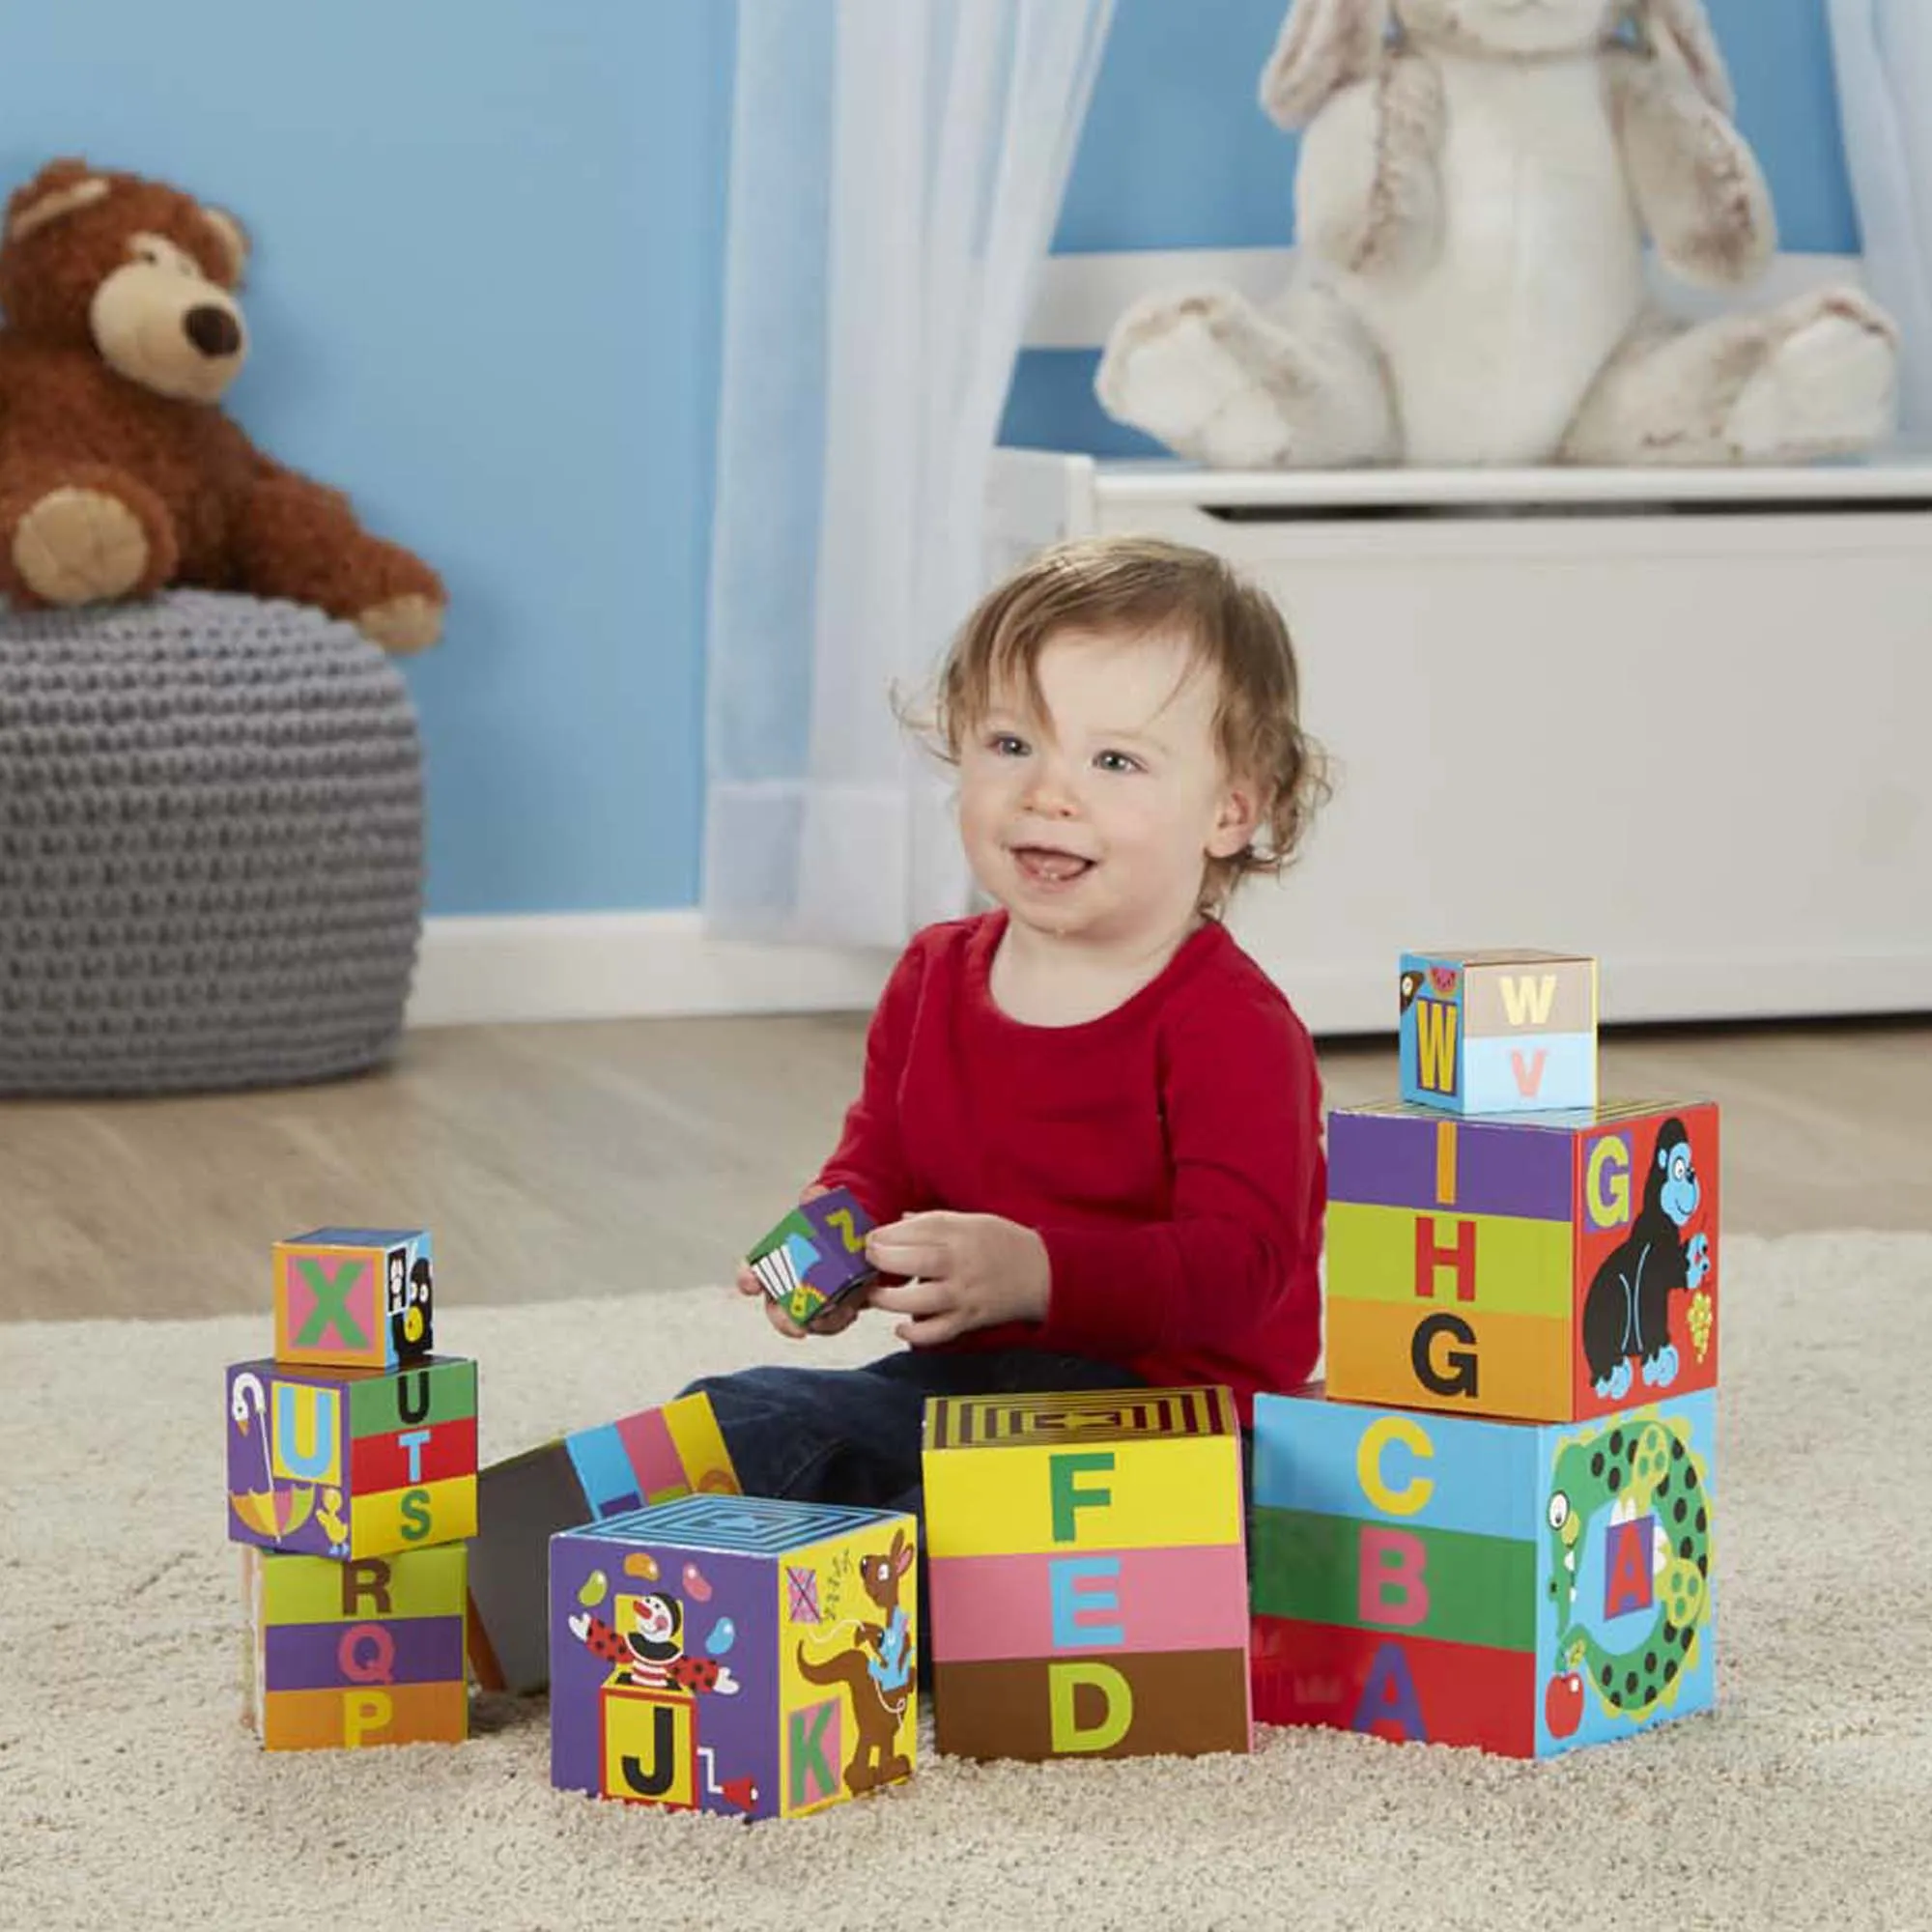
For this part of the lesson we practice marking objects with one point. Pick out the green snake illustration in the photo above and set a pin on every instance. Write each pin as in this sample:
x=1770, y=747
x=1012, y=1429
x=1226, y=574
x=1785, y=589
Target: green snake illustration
x=1640, y=1466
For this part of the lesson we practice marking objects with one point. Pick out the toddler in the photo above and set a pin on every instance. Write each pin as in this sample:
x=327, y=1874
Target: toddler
x=1090, y=1128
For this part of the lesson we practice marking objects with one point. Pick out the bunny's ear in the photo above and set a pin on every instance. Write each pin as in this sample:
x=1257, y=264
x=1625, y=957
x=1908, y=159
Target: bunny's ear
x=1325, y=45
x=1684, y=28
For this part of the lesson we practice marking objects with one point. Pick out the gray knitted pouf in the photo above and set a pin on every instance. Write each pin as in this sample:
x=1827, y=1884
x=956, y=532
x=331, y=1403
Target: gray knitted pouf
x=210, y=848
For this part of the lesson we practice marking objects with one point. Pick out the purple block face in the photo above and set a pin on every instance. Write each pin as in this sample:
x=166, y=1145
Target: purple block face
x=339, y=1655
x=1397, y=1160
x=663, y=1673
x=287, y=1458
x=816, y=1255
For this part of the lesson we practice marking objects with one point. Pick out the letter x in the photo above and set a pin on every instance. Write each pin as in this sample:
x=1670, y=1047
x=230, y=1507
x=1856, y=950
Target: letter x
x=331, y=1303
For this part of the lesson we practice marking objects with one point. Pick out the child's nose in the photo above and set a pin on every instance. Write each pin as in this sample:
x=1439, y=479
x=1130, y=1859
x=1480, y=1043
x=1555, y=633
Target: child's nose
x=1050, y=795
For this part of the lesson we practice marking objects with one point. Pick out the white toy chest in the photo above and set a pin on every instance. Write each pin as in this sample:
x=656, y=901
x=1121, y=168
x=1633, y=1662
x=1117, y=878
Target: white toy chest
x=1680, y=719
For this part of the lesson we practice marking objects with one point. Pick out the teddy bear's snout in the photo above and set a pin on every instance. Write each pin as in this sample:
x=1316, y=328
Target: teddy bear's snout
x=212, y=331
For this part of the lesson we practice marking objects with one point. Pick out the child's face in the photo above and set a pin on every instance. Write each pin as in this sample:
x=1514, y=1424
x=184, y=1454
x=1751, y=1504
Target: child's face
x=1095, y=820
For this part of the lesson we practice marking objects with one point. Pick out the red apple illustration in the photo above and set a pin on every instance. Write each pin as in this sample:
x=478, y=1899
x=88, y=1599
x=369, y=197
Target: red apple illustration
x=1563, y=1705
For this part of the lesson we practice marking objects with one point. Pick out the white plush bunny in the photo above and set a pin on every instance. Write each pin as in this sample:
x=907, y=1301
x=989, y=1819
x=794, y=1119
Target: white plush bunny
x=1475, y=188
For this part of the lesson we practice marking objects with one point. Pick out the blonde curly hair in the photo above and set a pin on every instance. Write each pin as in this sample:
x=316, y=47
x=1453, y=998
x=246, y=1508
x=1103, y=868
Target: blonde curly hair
x=1131, y=587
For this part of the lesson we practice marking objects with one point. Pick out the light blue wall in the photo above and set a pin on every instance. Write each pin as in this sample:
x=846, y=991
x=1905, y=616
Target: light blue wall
x=485, y=301
x=1176, y=153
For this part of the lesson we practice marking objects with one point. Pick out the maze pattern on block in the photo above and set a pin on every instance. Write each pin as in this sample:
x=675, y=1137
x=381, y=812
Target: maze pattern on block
x=341, y=1463
x=607, y=1470
x=1098, y=1416
x=362, y=1651
x=1088, y=1583
x=1550, y=1266
x=1483, y=1032
x=749, y=1657
x=1525, y=1588
x=355, y=1297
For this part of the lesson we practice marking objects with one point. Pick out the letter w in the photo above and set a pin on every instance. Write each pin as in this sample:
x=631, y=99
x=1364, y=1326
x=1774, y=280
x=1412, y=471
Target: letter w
x=1528, y=1001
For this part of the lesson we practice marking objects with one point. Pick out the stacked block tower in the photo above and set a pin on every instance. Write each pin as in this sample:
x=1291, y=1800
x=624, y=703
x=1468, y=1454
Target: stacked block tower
x=1494, y=1527
x=352, y=1488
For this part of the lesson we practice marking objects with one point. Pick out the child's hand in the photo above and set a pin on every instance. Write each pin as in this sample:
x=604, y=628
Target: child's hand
x=972, y=1271
x=828, y=1322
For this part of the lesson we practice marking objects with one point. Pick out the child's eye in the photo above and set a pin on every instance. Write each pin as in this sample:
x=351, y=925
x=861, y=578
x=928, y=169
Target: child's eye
x=1118, y=761
x=1004, y=745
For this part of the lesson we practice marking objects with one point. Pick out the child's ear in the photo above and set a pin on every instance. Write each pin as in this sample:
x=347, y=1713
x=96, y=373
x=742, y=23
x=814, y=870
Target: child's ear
x=1237, y=820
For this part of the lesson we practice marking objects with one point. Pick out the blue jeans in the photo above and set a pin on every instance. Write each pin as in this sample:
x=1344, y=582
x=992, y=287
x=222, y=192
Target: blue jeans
x=852, y=1435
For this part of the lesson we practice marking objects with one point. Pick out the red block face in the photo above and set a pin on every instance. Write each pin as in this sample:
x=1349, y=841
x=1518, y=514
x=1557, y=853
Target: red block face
x=1647, y=1220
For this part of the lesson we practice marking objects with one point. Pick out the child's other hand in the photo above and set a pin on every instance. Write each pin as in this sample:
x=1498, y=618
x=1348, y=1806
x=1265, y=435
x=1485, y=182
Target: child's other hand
x=831, y=1321
x=970, y=1271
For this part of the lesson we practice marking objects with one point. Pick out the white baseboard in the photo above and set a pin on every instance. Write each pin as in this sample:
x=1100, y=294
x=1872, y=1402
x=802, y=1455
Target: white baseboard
x=625, y=965
x=1081, y=296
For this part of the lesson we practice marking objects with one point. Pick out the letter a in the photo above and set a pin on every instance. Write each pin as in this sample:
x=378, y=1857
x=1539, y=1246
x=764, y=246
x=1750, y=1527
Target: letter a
x=1388, y=1698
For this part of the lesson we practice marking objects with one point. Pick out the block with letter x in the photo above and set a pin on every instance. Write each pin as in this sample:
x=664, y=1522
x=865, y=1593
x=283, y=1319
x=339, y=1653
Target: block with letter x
x=355, y=1297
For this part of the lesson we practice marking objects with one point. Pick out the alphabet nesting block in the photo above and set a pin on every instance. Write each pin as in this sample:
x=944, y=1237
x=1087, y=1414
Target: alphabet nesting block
x=1523, y=1587
x=734, y=1654
x=1498, y=1033
x=352, y=1462
x=363, y=1652
x=355, y=1297
x=815, y=1257
x=1551, y=1266
x=1087, y=1573
x=608, y=1470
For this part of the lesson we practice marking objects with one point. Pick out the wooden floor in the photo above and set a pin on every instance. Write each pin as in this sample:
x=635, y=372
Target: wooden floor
x=593, y=1158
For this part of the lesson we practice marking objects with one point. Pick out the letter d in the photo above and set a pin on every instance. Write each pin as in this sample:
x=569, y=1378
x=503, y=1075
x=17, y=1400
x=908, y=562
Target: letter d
x=1064, y=1681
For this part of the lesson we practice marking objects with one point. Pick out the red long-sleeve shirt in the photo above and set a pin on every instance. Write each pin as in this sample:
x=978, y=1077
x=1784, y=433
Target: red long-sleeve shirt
x=1169, y=1154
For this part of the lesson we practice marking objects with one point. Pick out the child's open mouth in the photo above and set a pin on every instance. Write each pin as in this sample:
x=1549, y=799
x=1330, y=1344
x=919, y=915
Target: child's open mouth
x=1048, y=868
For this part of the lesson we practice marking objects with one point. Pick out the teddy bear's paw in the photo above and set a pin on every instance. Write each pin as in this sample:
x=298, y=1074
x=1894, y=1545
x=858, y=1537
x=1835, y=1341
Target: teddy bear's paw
x=403, y=625
x=75, y=545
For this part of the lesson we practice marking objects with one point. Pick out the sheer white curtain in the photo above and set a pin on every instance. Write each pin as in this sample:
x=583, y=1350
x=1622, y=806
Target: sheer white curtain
x=1883, y=53
x=897, y=166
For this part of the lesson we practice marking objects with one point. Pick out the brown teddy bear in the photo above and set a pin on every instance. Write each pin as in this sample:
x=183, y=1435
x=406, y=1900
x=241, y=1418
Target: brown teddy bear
x=119, y=472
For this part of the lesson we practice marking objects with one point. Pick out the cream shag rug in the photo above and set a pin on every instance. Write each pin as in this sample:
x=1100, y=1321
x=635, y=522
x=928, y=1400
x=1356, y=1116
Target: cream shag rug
x=129, y=1795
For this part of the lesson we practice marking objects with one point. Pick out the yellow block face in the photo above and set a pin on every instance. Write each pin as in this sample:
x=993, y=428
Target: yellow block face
x=1449, y=1357
x=1495, y=1262
x=650, y=1751
x=849, y=1703
x=425, y=1513
x=406, y=1584
x=701, y=1446
x=1153, y=1493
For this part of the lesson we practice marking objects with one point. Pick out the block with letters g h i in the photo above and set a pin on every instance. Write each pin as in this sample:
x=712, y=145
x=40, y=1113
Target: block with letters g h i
x=1520, y=1587
x=1498, y=1033
x=1551, y=1266
x=1087, y=1574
